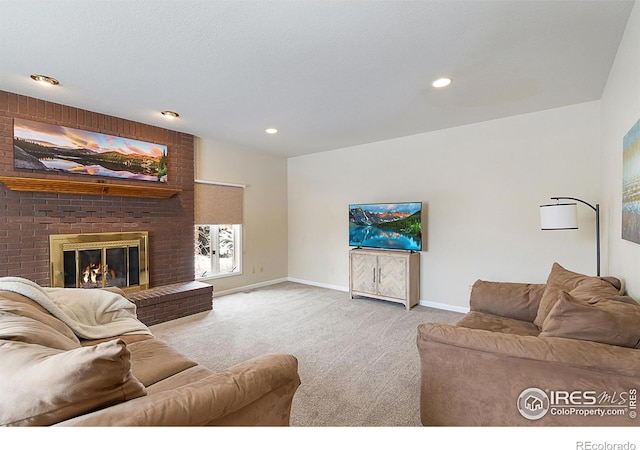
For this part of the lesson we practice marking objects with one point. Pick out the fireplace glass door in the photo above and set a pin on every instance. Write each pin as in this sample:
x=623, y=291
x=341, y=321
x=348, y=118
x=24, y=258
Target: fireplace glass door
x=102, y=267
x=84, y=262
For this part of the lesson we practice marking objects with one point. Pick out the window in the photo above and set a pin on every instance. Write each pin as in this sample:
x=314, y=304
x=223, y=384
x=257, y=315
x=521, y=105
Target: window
x=218, y=215
x=218, y=250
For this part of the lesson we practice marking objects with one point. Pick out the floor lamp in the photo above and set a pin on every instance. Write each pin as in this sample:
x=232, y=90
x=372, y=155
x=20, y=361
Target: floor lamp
x=564, y=216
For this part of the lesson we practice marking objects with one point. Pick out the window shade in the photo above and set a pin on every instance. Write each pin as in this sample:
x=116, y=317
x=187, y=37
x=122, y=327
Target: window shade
x=217, y=204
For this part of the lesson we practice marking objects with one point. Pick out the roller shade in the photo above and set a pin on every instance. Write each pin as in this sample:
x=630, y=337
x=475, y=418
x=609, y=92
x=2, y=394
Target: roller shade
x=217, y=204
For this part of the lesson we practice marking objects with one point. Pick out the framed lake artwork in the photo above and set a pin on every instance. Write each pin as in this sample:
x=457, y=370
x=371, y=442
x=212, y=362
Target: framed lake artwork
x=54, y=148
x=631, y=185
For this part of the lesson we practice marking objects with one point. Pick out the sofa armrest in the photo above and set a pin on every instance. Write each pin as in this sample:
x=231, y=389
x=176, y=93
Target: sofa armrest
x=518, y=301
x=268, y=381
x=473, y=377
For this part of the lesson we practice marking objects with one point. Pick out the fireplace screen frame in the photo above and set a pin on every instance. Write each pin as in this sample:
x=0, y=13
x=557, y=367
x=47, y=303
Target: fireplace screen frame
x=61, y=243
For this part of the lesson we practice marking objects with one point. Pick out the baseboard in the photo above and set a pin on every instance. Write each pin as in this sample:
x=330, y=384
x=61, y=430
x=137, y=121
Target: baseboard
x=322, y=285
x=444, y=306
x=248, y=287
x=436, y=305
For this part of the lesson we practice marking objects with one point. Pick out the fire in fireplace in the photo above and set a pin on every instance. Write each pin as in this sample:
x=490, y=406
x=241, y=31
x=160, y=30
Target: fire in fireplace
x=99, y=260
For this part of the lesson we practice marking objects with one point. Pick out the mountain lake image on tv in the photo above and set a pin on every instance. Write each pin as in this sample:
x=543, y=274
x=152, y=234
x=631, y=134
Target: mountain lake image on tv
x=395, y=226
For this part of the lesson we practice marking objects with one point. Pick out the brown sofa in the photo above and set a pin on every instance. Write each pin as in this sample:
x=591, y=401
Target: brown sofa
x=564, y=353
x=48, y=376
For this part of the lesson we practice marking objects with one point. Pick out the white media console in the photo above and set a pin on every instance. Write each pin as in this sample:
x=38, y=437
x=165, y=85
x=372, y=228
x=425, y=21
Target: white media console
x=386, y=275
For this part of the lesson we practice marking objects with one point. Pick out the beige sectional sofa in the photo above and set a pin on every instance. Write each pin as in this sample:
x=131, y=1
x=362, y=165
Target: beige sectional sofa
x=564, y=353
x=49, y=376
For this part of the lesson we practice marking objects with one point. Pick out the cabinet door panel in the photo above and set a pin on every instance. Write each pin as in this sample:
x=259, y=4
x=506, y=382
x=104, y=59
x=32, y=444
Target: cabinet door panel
x=392, y=274
x=363, y=276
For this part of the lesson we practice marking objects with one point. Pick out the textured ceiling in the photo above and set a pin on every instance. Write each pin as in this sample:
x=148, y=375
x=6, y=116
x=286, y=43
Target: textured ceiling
x=327, y=74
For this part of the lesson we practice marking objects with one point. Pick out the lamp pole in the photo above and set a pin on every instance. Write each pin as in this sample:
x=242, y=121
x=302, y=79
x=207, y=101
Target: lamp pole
x=596, y=208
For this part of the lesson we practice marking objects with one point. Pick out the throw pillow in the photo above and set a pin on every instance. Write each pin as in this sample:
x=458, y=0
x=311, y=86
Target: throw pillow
x=612, y=321
x=43, y=386
x=561, y=279
x=594, y=289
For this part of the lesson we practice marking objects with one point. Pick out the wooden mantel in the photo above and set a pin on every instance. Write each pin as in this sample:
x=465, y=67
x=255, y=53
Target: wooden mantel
x=83, y=187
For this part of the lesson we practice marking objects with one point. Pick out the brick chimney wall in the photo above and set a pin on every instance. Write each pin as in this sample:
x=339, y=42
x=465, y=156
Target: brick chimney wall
x=27, y=219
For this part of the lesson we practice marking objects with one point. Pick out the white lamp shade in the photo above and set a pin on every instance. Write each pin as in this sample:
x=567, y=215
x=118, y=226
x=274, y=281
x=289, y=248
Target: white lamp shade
x=559, y=216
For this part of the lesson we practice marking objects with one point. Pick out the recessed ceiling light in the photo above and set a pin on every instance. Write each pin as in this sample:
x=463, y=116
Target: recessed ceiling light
x=271, y=130
x=43, y=79
x=441, y=82
x=170, y=114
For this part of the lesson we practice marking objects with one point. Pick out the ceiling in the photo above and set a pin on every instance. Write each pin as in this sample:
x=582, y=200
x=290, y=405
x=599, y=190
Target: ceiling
x=327, y=74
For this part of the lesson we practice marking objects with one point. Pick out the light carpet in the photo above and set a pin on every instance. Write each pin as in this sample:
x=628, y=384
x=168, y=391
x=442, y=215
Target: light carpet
x=358, y=359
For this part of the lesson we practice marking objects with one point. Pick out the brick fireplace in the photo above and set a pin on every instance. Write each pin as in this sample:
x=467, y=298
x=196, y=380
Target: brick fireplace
x=28, y=219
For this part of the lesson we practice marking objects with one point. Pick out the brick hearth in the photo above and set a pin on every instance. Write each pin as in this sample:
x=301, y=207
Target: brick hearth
x=172, y=301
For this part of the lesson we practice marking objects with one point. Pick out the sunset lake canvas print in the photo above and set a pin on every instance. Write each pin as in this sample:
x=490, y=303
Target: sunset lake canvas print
x=41, y=146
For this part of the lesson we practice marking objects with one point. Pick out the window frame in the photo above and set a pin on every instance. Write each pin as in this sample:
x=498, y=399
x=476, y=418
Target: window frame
x=238, y=238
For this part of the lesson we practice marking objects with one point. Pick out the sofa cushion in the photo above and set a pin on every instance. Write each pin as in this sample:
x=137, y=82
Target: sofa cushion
x=43, y=386
x=22, y=319
x=152, y=360
x=614, y=321
x=586, y=287
x=518, y=301
x=489, y=322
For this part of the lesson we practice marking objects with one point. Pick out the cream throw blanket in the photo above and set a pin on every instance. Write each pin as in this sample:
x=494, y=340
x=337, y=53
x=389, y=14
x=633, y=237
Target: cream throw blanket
x=90, y=313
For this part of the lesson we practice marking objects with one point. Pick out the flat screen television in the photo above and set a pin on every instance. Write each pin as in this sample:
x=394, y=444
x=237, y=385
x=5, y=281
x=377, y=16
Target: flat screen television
x=394, y=226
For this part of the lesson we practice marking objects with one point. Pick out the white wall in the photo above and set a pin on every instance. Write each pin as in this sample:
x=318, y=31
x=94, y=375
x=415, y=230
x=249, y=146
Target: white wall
x=481, y=185
x=620, y=111
x=265, y=208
